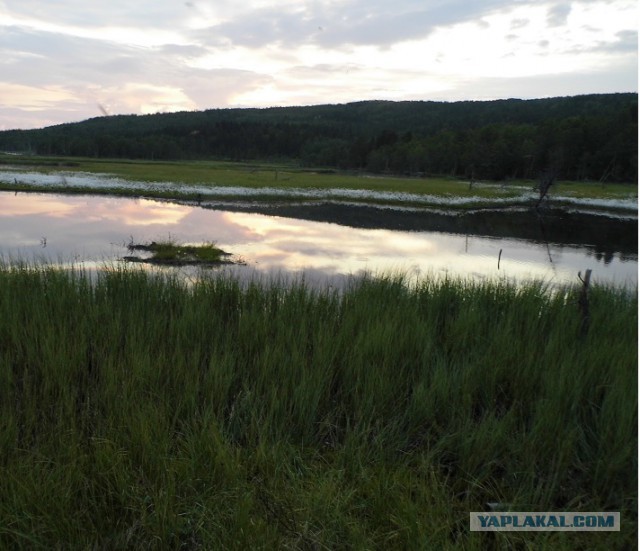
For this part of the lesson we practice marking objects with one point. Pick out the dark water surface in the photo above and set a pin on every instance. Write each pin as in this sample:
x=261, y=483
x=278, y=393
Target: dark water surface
x=326, y=241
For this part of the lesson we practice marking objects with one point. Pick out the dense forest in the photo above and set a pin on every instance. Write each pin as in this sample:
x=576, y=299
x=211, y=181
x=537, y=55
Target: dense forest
x=590, y=137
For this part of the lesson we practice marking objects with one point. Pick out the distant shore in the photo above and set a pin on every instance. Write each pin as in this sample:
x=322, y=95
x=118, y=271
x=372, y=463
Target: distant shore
x=277, y=184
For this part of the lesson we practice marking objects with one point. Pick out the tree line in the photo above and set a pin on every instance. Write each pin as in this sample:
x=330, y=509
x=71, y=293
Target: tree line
x=591, y=137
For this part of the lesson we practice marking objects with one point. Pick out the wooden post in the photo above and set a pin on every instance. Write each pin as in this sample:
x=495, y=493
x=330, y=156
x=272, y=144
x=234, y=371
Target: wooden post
x=583, y=302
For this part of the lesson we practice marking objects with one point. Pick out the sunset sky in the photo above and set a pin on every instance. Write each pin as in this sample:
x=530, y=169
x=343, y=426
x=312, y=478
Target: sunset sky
x=69, y=60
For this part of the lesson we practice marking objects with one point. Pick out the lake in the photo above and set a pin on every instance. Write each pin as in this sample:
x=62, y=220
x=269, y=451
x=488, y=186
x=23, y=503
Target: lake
x=326, y=242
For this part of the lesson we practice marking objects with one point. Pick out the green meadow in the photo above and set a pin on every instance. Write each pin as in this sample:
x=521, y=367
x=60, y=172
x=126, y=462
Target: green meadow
x=290, y=176
x=141, y=412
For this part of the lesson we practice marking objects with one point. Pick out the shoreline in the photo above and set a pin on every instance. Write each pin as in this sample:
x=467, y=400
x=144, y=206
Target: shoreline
x=589, y=222
x=508, y=197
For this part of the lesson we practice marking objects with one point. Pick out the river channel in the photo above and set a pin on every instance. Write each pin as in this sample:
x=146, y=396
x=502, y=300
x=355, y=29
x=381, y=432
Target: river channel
x=325, y=241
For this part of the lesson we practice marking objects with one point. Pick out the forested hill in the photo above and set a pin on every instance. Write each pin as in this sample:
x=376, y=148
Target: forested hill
x=583, y=137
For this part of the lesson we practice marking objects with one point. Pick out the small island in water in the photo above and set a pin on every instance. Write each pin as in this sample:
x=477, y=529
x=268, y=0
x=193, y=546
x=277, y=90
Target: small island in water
x=169, y=253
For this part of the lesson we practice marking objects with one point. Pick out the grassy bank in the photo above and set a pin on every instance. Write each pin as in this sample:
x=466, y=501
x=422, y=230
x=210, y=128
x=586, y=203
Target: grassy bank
x=265, y=178
x=136, y=412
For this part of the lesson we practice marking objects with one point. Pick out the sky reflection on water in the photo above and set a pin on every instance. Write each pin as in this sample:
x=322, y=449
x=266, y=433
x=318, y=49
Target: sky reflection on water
x=89, y=229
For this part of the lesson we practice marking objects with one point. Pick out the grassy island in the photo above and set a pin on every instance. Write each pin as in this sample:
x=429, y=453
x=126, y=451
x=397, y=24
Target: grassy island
x=169, y=253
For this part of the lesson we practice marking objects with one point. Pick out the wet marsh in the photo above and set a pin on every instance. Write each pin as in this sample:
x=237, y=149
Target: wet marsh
x=145, y=409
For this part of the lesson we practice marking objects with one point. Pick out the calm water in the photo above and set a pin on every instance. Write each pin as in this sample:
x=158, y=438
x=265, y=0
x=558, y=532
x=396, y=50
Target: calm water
x=91, y=230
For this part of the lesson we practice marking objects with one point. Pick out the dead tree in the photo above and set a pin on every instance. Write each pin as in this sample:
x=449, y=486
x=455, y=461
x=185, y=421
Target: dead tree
x=545, y=181
x=608, y=171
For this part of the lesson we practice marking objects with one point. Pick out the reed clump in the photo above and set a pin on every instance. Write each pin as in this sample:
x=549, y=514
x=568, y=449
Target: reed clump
x=175, y=254
x=139, y=412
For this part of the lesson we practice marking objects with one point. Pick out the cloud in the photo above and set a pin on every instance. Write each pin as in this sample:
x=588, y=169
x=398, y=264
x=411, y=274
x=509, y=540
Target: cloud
x=611, y=78
x=64, y=58
x=183, y=51
x=31, y=98
x=627, y=41
x=59, y=60
x=558, y=14
x=376, y=22
x=140, y=97
x=623, y=44
x=321, y=70
x=519, y=23
x=219, y=87
x=84, y=72
x=84, y=14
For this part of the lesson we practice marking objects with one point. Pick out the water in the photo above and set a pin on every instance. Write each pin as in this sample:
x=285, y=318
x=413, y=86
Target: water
x=325, y=242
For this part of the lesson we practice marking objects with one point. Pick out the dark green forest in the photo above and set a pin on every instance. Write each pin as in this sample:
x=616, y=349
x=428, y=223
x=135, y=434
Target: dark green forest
x=590, y=137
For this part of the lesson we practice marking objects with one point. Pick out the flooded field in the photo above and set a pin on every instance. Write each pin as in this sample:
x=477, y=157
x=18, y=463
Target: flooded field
x=325, y=241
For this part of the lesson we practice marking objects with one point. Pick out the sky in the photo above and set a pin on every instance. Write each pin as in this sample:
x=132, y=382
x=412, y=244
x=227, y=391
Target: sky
x=70, y=60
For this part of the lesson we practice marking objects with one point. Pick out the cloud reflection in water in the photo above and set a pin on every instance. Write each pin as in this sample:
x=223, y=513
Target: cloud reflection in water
x=94, y=228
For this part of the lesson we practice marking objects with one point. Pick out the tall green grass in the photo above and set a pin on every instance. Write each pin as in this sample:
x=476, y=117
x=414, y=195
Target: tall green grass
x=139, y=412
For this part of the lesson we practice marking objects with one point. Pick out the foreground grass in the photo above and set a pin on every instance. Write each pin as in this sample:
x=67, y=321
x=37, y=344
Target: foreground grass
x=136, y=412
x=282, y=176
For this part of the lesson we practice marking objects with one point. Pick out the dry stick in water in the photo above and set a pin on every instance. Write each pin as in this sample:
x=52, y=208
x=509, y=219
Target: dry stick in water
x=583, y=302
x=545, y=182
x=499, y=255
